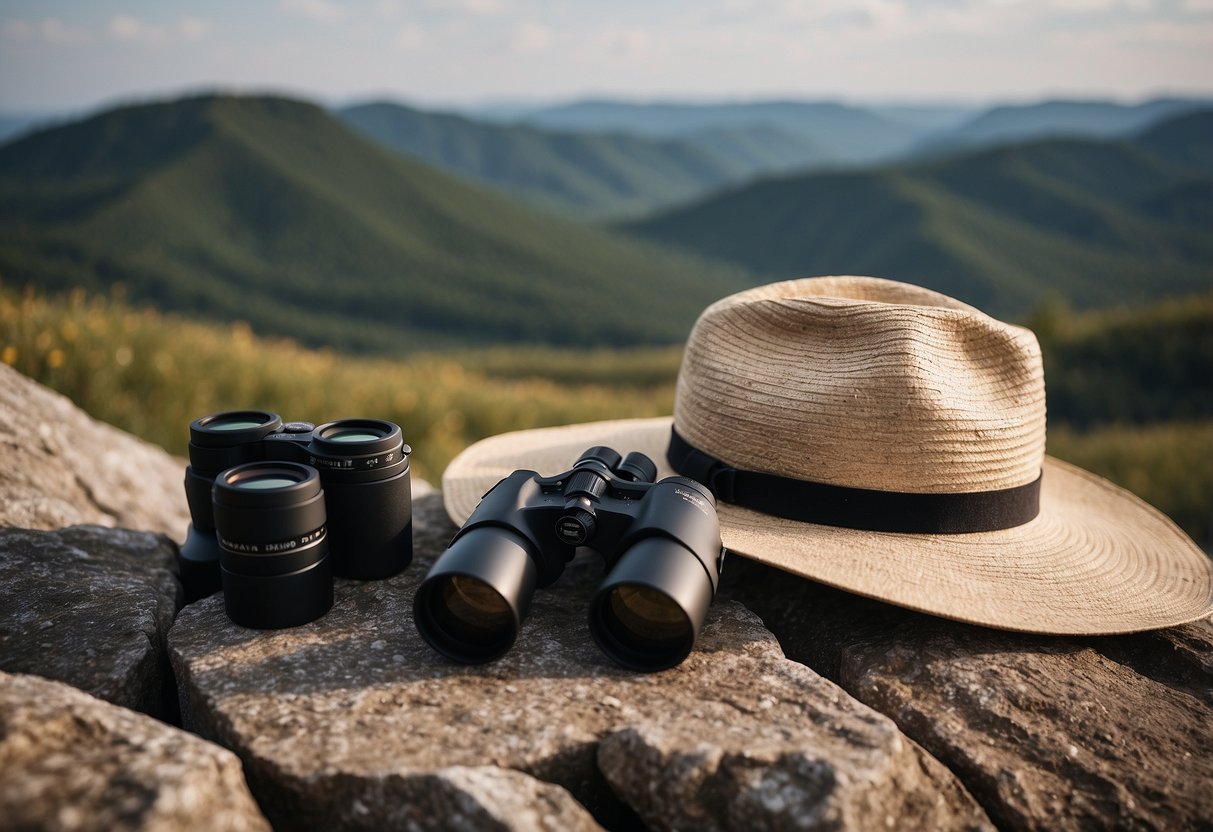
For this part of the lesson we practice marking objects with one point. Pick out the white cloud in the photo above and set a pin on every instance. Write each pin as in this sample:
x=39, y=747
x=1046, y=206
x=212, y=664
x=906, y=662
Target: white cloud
x=193, y=28
x=473, y=7
x=621, y=43
x=411, y=38
x=389, y=9
x=1198, y=6
x=56, y=31
x=130, y=29
x=125, y=27
x=1154, y=34
x=16, y=30
x=321, y=11
x=50, y=30
x=532, y=37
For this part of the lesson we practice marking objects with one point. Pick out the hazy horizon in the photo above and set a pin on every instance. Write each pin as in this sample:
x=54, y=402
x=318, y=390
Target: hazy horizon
x=528, y=104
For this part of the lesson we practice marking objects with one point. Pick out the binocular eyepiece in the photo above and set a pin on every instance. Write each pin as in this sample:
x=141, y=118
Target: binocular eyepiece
x=660, y=540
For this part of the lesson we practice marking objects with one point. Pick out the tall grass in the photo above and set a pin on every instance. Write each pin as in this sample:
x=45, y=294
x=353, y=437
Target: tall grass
x=151, y=374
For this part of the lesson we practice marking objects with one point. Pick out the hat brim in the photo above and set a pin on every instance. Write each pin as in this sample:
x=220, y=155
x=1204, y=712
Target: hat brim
x=1096, y=560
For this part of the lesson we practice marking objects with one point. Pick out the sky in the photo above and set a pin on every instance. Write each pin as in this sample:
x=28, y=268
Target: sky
x=57, y=55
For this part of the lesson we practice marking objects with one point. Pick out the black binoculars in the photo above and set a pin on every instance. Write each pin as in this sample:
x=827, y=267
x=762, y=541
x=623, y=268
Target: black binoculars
x=269, y=501
x=661, y=543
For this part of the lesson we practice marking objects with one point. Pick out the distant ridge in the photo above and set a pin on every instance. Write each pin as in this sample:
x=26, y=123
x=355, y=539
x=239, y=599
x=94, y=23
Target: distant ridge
x=843, y=134
x=271, y=211
x=1093, y=222
x=1052, y=119
x=1186, y=140
x=590, y=174
x=594, y=175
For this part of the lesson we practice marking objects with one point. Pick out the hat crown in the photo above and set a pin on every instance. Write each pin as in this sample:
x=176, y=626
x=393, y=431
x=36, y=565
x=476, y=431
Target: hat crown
x=867, y=383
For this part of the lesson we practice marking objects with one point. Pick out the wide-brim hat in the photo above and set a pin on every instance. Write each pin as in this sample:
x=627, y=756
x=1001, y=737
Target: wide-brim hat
x=889, y=441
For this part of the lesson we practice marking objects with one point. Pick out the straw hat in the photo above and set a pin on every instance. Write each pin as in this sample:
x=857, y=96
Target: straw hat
x=890, y=441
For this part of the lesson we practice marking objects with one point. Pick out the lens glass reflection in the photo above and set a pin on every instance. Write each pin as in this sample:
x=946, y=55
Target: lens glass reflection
x=235, y=424
x=262, y=483
x=352, y=436
x=471, y=611
x=646, y=620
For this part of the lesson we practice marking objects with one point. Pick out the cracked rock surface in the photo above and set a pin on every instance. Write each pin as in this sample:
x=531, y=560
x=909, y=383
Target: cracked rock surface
x=91, y=606
x=1047, y=733
x=357, y=704
x=61, y=467
x=73, y=762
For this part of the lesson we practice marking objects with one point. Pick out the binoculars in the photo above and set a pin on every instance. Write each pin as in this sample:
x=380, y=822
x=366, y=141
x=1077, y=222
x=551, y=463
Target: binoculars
x=660, y=540
x=279, y=508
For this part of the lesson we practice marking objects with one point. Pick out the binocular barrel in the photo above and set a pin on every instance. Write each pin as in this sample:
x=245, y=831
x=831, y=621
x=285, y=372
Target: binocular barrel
x=274, y=555
x=663, y=540
x=473, y=600
x=648, y=612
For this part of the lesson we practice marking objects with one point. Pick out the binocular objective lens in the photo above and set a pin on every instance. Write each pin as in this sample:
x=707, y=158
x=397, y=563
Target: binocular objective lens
x=648, y=612
x=472, y=602
x=471, y=610
x=647, y=620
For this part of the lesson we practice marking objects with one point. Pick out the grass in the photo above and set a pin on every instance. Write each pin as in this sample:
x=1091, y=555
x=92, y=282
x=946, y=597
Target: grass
x=1168, y=465
x=151, y=374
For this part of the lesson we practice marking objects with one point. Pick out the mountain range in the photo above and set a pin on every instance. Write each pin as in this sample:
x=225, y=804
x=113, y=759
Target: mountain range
x=271, y=211
x=1094, y=222
x=1050, y=119
x=276, y=212
x=595, y=174
x=619, y=160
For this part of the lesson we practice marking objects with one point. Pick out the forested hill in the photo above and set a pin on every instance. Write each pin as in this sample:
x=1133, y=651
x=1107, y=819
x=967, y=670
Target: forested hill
x=1094, y=222
x=271, y=211
x=590, y=174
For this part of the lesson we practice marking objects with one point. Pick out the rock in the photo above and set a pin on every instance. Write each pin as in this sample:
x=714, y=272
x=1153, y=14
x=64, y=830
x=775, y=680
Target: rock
x=678, y=775
x=459, y=797
x=91, y=606
x=73, y=762
x=1179, y=657
x=1047, y=733
x=61, y=467
x=358, y=704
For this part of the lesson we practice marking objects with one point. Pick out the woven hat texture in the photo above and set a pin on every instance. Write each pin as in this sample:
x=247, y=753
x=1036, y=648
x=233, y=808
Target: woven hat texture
x=870, y=383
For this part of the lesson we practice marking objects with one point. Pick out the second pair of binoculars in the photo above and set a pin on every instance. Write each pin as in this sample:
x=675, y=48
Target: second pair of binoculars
x=279, y=508
x=660, y=540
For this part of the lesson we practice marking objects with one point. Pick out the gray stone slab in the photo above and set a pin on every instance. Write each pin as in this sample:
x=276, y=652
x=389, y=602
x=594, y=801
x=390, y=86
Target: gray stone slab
x=91, y=606
x=70, y=761
x=62, y=467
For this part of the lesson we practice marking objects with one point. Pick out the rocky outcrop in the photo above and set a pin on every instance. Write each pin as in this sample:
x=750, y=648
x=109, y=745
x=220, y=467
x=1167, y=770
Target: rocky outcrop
x=73, y=762
x=92, y=607
x=358, y=704
x=61, y=467
x=1046, y=733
